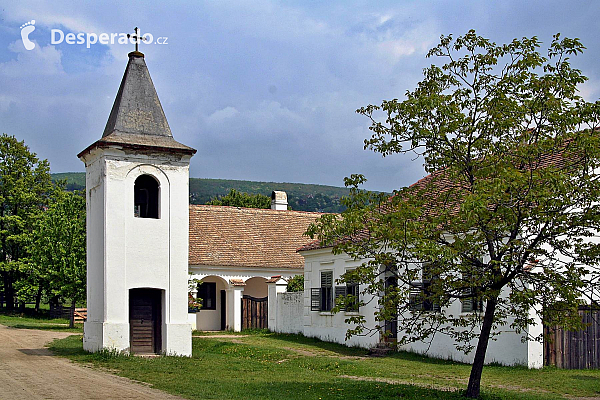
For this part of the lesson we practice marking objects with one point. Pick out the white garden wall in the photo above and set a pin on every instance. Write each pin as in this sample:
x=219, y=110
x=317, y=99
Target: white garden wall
x=290, y=309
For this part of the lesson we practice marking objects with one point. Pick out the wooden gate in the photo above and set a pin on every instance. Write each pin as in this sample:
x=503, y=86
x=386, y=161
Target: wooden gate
x=144, y=321
x=254, y=312
x=574, y=350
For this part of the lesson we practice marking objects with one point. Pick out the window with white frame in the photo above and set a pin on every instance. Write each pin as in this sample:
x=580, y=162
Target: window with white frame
x=472, y=302
x=350, y=292
x=322, y=297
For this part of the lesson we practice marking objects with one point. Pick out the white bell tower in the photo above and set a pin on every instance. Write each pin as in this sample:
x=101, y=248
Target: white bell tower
x=137, y=193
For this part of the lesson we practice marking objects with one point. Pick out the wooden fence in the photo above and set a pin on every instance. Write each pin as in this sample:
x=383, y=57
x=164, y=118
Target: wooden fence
x=254, y=312
x=574, y=350
x=65, y=312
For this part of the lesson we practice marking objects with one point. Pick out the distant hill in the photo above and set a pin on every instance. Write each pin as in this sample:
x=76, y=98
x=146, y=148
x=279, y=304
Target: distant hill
x=301, y=197
x=75, y=180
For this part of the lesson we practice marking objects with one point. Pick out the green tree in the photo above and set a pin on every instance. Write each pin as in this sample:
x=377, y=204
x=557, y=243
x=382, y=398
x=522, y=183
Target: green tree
x=24, y=186
x=58, y=248
x=503, y=221
x=296, y=284
x=241, y=199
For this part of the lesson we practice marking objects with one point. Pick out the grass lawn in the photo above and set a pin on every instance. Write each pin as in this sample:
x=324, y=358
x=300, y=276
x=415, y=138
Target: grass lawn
x=270, y=366
x=27, y=321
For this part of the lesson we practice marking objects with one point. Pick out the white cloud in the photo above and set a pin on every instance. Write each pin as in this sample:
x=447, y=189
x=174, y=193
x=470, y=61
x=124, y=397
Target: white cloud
x=262, y=122
x=51, y=14
x=270, y=20
x=590, y=90
x=42, y=60
x=221, y=115
x=397, y=35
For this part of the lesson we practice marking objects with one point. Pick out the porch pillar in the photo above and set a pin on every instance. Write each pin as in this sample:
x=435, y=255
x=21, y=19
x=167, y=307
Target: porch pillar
x=236, y=303
x=276, y=285
x=193, y=291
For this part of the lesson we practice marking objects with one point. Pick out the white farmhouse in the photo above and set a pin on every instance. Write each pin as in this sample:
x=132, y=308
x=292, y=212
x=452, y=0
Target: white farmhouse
x=236, y=252
x=323, y=268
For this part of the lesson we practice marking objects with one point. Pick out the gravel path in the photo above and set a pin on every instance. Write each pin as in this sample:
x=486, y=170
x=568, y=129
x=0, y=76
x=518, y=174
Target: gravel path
x=28, y=371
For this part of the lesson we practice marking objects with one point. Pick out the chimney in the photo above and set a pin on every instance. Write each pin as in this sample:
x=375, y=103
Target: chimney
x=278, y=200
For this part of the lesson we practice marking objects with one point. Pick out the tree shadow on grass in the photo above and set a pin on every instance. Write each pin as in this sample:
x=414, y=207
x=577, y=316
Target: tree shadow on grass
x=48, y=327
x=343, y=350
x=28, y=313
x=69, y=346
x=336, y=388
x=336, y=348
x=411, y=356
x=585, y=377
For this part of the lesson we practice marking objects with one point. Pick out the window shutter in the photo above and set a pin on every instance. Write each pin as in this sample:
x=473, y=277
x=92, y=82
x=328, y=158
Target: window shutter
x=415, y=298
x=353, y=289
x=471, y=303
x=326, y=278
x=315, y=299
x=340, y=291
x=467, y=305
x=478, y=305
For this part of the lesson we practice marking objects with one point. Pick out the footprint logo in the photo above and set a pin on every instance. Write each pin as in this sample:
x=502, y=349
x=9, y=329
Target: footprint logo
x=26, y=29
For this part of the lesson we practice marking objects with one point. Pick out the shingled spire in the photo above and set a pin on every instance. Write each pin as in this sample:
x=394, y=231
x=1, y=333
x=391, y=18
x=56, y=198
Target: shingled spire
x=137, y=109
x=137, y=119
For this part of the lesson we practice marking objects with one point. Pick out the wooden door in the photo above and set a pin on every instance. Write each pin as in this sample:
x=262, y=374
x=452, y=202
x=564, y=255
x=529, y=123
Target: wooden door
x=144, y=321
x=391, y=326
x=223, y=310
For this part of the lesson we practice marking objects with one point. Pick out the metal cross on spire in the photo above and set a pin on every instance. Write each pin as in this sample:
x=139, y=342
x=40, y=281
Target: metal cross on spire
x=137, y=38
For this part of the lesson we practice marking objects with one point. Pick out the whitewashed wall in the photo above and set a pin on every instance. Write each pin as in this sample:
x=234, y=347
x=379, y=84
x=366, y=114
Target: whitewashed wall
x=125, y=252
x=256, y=287
x=290, y=310
x=325, y=325
x=507, y=349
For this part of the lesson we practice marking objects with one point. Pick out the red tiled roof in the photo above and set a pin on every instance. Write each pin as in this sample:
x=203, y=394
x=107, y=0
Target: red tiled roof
x=438, y=183
x=274, y=279
x=247, y=237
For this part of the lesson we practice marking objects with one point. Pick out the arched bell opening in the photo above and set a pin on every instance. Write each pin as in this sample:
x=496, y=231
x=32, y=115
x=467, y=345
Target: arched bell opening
x=146, y=197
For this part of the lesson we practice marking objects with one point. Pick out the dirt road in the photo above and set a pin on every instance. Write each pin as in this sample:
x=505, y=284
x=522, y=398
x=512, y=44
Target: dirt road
x=28, y=371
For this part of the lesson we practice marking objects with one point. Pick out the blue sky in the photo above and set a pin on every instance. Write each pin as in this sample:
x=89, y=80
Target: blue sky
x=264, y=90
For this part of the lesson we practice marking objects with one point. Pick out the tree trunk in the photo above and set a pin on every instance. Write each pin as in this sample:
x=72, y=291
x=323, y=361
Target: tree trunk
x=38, y=299
x=9, y=292
x=72, y=319
x=482, y=344
x=3, y=299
